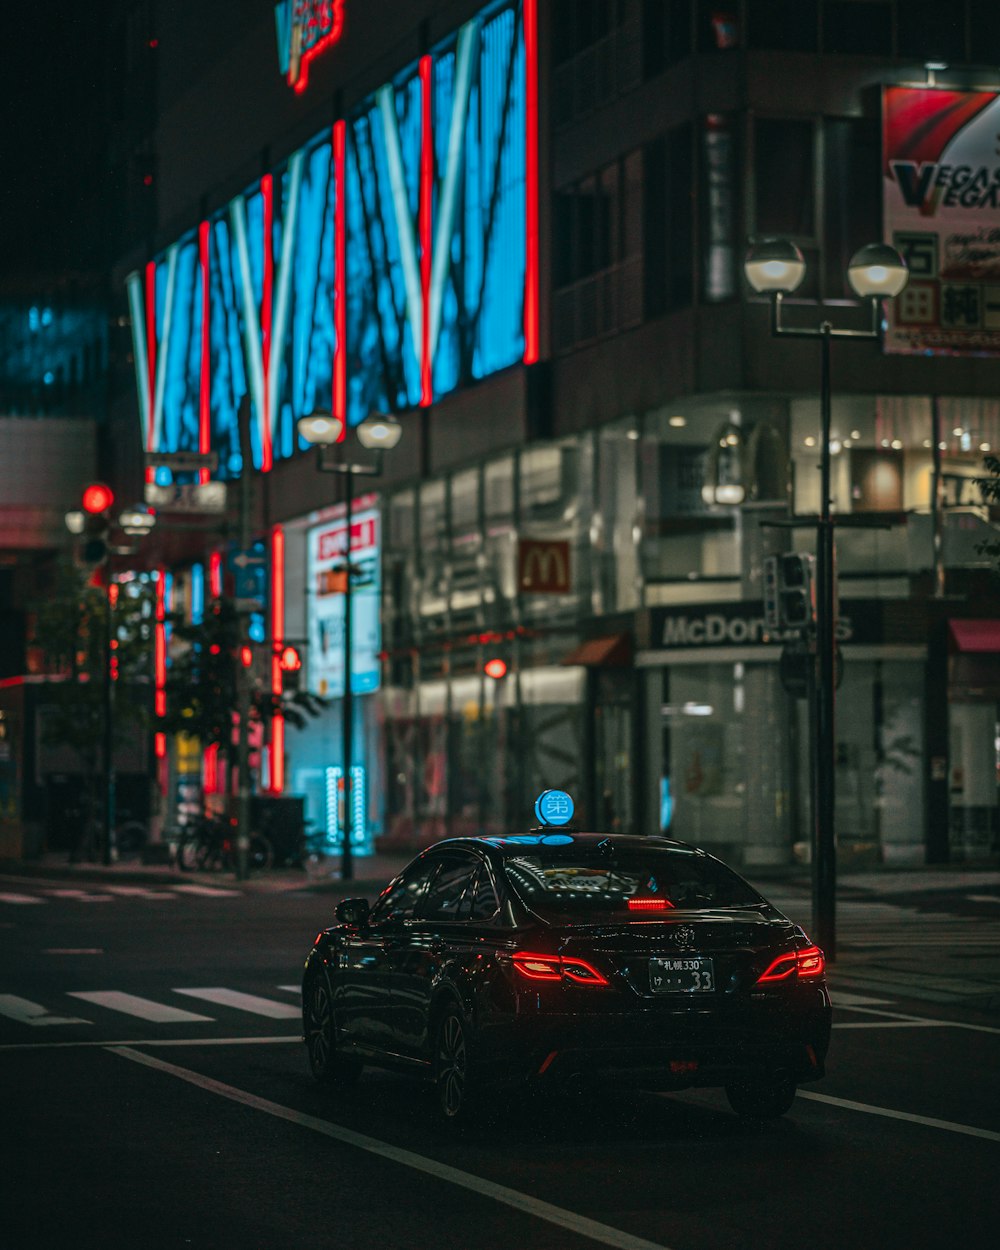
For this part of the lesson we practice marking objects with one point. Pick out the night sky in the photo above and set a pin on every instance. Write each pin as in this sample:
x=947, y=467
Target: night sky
x=54, y=83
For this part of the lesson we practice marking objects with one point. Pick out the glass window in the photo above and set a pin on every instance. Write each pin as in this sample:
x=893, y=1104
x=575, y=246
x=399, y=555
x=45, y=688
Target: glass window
x=852, y=179
x=443, y=899
x=399, y=899
x=784, y=177
x=584, y=883
x=498, y=489
x=465, y=503
x=401, y=518
x=482, y=900
x=786, y=25
x=433, y=518
x=858, y=29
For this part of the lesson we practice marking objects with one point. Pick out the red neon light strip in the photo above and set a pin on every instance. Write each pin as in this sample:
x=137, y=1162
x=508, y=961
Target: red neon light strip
x=160, y=647
x=340, y=277
x=215, y=574
x=204, y=390
x=151, y=356
x=425, y=223
x=210, y=765
x=531, y=257
x=160, y=746
x=266, y=302
x=277, y=754
x=336, y=15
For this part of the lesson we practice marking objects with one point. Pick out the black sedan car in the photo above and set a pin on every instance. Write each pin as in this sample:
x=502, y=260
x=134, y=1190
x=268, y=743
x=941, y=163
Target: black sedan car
x=564, y=957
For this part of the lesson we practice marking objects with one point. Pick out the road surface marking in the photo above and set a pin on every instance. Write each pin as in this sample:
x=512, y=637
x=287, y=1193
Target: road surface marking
x=983, y=898
x=20, y=898
x=292, y=989
x=206, y=891
x=899, y=1015
x=892, y=1024
x=138, y=891
x=562, y=1218
x=245, y=1002
x=26, y=1012
x=158, y=1042
x=80, y=896
x=73, y=950
x=132, y=1005
x=948, y=1125
x=842, y=999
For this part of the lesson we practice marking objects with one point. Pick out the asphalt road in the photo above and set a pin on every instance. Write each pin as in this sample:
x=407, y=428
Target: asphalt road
x=155, y=1094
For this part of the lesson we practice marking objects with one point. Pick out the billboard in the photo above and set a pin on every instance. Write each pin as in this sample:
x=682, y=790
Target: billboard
x=941, y=197
x=325, y=604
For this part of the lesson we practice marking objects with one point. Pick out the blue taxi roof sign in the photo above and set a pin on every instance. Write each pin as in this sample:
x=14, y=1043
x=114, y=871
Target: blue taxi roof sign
x=554, y=807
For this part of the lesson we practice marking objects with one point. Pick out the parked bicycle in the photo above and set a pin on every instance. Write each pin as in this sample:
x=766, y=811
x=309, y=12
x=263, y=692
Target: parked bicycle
x=209, y=845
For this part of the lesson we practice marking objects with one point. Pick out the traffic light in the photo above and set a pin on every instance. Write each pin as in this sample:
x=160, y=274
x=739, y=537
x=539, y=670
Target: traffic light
x=495, y=668
x=290, y=663
x=97, y=501
x=790, y=591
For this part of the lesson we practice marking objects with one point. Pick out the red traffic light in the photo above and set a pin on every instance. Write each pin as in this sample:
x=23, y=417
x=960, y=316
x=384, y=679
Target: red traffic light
x=495, y=669
x=97, y=498
x=289, y=660
x=246, y=656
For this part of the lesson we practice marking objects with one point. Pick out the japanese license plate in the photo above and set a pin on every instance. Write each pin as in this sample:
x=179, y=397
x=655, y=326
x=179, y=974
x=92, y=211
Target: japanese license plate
x=687, y=974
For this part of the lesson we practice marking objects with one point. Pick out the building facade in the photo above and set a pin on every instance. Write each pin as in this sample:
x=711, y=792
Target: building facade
x=519, y=227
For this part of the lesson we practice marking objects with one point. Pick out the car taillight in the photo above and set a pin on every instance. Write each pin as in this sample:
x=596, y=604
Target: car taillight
x=649, y=904
x=795, y=965
x=555, y=967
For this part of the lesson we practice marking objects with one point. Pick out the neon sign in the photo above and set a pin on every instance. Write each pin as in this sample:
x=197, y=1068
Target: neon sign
x=305, y=28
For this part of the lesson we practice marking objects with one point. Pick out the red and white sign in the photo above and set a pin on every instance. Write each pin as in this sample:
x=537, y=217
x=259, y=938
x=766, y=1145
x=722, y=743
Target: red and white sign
x=941, y=184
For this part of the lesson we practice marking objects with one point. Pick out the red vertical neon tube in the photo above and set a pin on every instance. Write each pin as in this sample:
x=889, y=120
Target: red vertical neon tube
x=277, y=769
x=531, y=255
x=426, y=205
x=160, y=659
x=267, y=193
x=151, y=358
x=340, y=277
x=204, y=390
x=215, y=574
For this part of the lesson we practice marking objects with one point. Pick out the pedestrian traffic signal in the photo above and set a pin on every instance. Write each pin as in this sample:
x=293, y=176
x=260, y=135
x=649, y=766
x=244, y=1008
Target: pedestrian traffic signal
x=790, y=591
x=96, y=502
x=495, y=668
x=798, y=591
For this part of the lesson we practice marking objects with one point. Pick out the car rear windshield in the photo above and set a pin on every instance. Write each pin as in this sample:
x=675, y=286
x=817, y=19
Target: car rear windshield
x=595, y=887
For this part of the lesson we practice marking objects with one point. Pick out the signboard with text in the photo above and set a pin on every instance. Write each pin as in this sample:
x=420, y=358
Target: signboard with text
x=941, y=184
x=325, y=598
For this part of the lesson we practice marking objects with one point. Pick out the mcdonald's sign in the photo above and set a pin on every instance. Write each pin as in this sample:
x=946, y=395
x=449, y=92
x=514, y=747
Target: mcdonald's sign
x=543, y=566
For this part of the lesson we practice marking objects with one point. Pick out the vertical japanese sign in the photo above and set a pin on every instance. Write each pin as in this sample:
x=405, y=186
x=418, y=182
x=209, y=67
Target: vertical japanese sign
x=325, y=604
x=941, y=183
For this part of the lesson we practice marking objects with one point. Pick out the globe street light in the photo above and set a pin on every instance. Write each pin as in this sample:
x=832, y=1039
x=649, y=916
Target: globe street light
x=775, y=267
x=376, y=433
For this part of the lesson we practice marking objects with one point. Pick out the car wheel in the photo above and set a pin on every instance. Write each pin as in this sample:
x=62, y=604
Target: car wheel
x=328, y=1065
x=453, y=1080
x=765, y=1098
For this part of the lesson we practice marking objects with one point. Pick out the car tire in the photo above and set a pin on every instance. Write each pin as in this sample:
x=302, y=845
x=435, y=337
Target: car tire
x=186, y=856
x=763, y=1098
x=454, y=1082
x=328, y=1065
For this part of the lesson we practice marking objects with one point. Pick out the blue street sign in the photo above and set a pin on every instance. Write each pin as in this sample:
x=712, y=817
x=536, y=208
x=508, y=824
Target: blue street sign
x=249, y=569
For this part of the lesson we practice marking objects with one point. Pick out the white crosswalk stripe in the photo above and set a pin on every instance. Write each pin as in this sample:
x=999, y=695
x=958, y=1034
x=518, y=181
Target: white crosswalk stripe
x=26, y=1012
x=20, y=899
x=205, y=891
x=143, y=1008
x=108, y=893
x=244, y=1002
x=80, y=896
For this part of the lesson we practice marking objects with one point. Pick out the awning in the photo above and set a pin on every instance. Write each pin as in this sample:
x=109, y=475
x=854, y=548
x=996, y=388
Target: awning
x=981, y=636
x=611, y=651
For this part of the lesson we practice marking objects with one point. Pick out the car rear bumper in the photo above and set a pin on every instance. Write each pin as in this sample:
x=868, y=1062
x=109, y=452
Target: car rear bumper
x=668, y=1049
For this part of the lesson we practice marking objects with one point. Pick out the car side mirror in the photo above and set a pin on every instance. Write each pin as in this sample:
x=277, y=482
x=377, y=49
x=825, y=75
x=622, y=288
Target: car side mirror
x=353, y=912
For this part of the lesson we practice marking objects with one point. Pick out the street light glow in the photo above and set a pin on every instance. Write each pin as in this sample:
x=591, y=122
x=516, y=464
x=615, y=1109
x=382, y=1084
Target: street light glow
x=379, y=432
x=320, y=428
x=774, y=265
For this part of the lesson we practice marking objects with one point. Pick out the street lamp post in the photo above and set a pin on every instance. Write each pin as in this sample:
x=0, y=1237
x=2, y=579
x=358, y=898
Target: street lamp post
x=775, y=267
x=377, y=434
